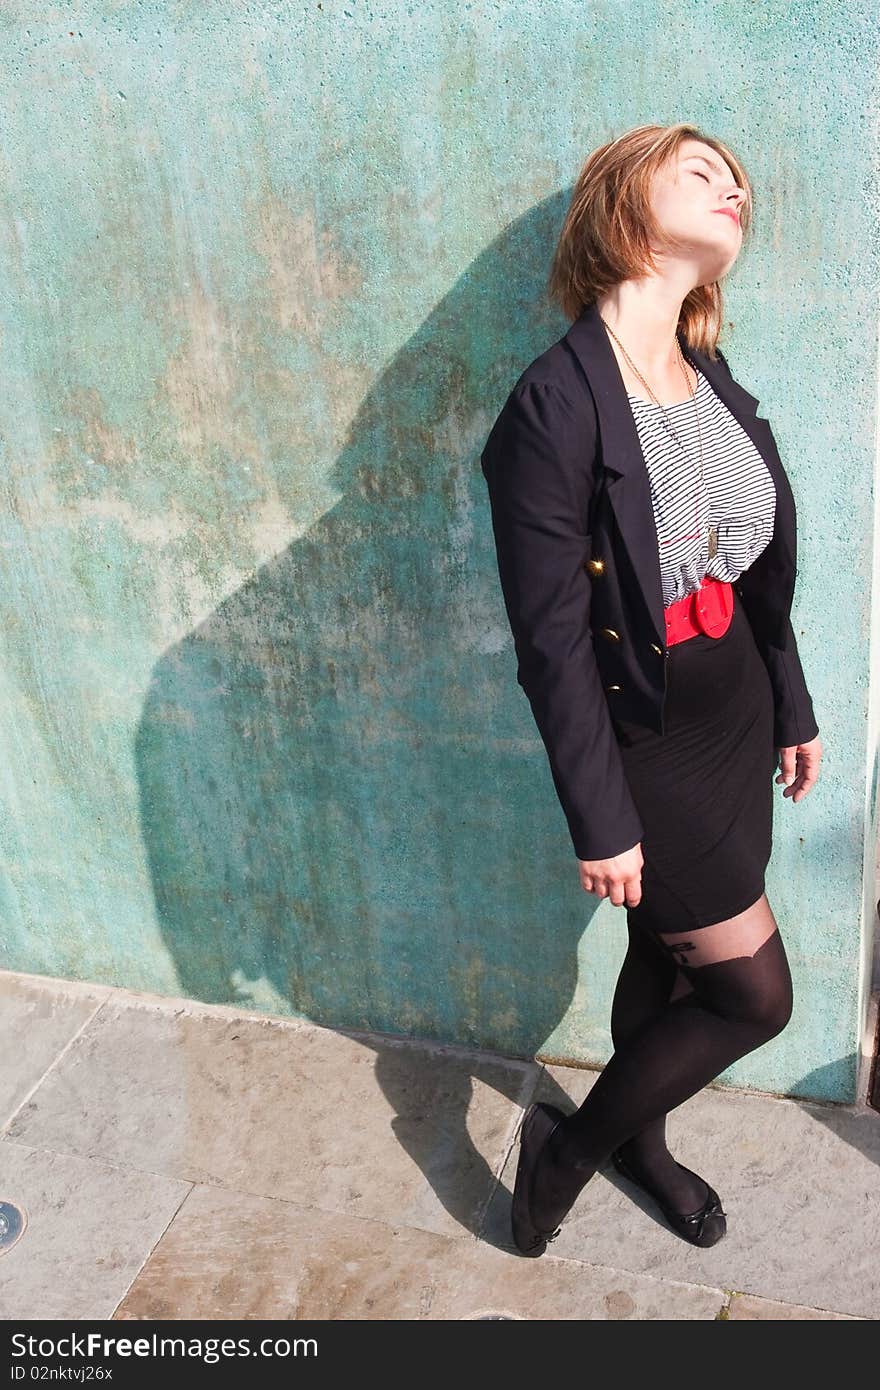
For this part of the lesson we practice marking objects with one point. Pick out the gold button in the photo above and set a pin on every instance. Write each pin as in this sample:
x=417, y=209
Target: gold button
x=595, y=566
x=614, y=687
x=609, y=632
x=658, y=650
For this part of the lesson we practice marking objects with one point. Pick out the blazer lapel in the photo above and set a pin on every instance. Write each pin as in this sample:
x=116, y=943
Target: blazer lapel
x=628, y=487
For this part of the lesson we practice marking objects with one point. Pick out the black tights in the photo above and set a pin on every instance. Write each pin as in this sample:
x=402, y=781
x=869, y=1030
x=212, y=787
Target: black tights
x=667, y=1048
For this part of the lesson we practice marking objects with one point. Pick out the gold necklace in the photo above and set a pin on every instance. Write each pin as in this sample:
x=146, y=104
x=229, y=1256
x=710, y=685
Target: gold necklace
x=712, y=539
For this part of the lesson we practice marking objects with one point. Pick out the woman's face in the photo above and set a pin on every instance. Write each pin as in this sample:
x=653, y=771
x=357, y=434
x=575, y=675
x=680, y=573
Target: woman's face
x=697, y=200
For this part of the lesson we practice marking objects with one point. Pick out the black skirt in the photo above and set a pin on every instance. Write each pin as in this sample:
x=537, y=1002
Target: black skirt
x=704, y=789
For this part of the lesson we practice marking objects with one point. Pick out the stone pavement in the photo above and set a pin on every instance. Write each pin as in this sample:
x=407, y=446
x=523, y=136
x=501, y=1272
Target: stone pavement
x=180, y=1160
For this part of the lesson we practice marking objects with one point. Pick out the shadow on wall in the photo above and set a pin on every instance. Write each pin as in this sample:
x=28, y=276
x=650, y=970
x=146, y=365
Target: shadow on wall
x=347, y=810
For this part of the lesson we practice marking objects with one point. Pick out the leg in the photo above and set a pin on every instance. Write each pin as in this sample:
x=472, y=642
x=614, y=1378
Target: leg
x=741, y=997
x=649, y=979
x=648, y=983
x=736, y=937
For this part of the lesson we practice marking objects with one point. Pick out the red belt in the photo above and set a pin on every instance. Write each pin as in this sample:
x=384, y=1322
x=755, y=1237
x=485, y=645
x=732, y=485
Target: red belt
x=708, y=610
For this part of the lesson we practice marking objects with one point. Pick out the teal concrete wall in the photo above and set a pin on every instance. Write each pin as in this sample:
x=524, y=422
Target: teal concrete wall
x=267, y=275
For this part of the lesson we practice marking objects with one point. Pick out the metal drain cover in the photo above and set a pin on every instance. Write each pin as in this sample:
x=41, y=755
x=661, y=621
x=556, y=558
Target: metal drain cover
x=13, y=1220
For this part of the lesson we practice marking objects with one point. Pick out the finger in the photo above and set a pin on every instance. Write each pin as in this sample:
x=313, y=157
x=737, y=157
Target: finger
x=807, y=767
x=617, y=894
x=801, y=787
x=633, y=892
x=787, y=766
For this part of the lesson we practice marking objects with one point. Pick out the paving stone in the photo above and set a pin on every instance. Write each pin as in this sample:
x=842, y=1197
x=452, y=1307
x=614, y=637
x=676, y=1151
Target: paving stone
x=233, y=1255
x=356, y=1123
x=743, y=1306
x=89, y=1229
x=375, y=1161
x=800, y=1183
x=38, y=1017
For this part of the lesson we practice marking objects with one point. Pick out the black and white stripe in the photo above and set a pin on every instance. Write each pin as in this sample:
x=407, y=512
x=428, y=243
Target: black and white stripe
x=738, y=495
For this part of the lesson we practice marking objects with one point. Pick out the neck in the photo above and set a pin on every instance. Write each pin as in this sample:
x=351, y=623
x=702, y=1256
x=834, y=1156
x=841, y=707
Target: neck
x=644, y=314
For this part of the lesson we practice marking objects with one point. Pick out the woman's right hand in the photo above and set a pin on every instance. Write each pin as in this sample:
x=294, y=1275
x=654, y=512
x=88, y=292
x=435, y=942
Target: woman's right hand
x=618, y=878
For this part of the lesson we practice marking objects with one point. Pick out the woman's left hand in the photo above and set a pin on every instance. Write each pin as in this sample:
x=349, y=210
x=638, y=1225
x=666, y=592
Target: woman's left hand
x=799, y=767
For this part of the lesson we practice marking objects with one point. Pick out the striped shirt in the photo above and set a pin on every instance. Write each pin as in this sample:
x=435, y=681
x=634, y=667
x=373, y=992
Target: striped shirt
x=738, y=495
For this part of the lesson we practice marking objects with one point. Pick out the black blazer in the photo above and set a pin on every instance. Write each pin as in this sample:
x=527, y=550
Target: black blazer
x=579, y=564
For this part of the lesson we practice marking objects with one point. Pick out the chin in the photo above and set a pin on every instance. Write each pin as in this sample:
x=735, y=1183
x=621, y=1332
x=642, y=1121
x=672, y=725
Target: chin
x=716, y=266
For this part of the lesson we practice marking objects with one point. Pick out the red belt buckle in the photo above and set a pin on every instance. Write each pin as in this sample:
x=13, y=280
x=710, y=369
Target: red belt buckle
x=680, y=624
x=714, y=606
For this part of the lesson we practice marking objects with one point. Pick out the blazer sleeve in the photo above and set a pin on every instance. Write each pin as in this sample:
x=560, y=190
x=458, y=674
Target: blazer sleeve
x=795, y=720
x=538, y=465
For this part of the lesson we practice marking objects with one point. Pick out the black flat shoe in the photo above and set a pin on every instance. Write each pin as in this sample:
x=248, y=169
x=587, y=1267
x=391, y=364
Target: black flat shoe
x=704, y=1227
x=539, y=1122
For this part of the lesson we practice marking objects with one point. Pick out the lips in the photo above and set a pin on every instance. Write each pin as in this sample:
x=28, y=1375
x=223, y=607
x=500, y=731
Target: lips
x=726, y=212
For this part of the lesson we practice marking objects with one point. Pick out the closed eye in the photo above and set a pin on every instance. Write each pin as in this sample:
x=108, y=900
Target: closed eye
x=701, y=175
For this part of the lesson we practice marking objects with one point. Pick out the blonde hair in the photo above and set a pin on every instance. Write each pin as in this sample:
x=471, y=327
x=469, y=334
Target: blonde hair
x=609, y=226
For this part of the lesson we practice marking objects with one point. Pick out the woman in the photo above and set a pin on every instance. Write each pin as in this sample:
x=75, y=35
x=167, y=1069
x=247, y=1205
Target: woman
x=664, y=771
